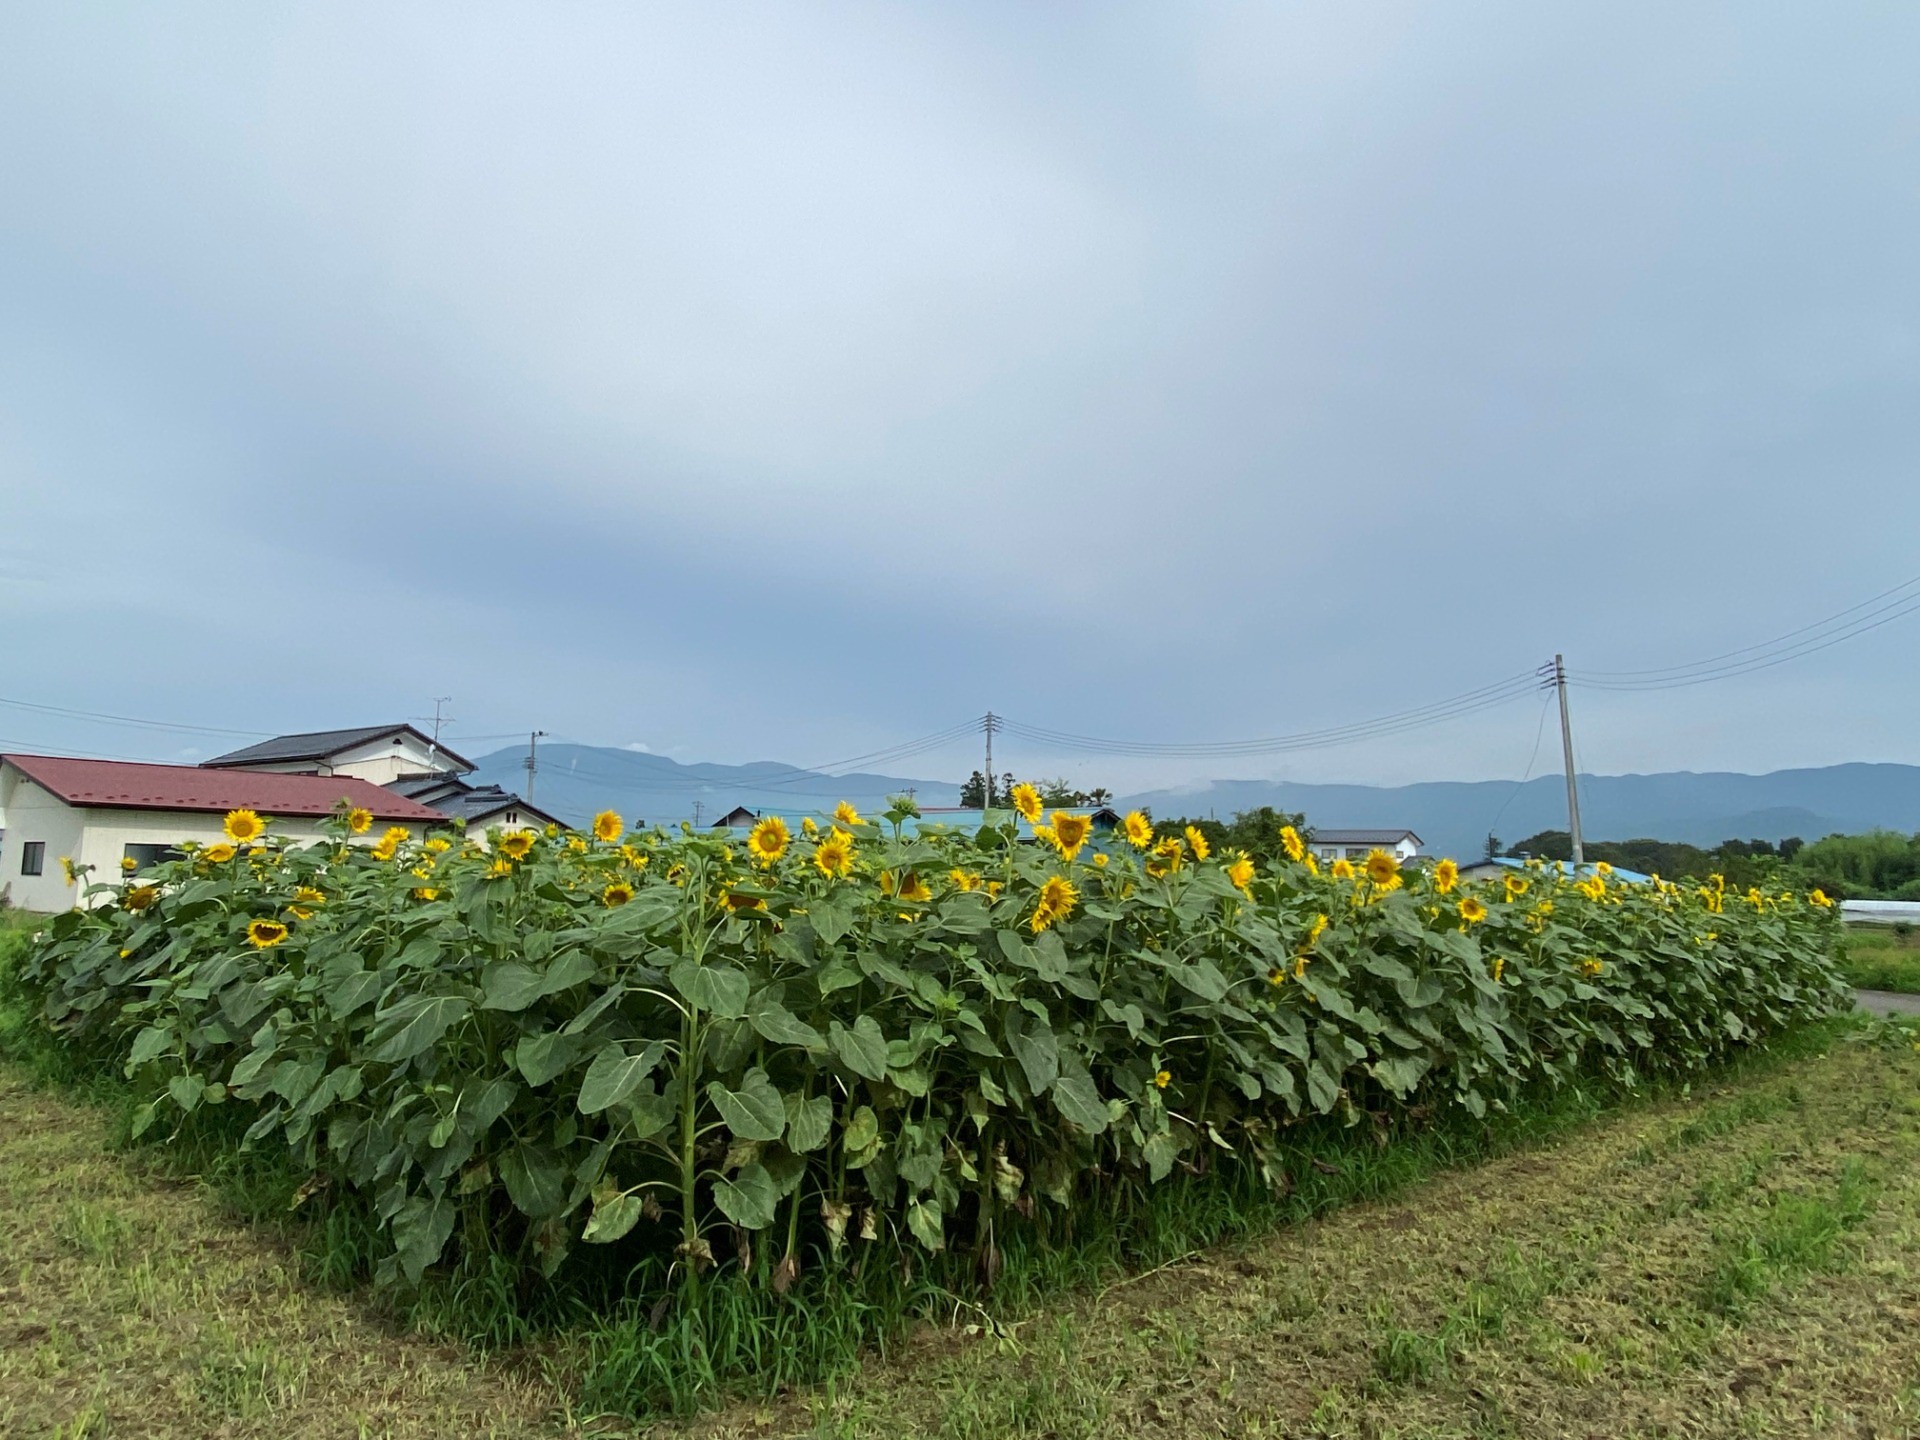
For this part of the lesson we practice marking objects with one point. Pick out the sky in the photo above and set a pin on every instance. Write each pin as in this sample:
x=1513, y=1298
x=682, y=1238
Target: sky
x=793, y=382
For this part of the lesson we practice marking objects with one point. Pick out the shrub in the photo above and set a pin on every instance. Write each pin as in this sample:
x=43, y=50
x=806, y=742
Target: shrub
x=881, y=1036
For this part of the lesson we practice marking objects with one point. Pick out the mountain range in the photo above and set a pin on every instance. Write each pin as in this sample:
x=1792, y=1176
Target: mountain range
x=1451, y=817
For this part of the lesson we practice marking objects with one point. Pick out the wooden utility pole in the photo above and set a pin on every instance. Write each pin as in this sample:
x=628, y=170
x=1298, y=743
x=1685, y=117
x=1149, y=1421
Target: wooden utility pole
x=1566, y=749
x=990, y=724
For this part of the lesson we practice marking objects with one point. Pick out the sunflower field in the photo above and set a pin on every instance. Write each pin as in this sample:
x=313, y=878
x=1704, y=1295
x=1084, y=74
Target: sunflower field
x=691, y=1055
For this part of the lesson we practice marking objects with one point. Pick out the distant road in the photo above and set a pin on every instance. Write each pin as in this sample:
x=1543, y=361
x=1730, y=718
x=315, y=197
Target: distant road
x=1885, y=1002
x=1880, y=912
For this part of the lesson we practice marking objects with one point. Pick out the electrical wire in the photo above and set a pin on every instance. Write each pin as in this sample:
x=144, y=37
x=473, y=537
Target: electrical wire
x=97, y=716
x=1539, y=731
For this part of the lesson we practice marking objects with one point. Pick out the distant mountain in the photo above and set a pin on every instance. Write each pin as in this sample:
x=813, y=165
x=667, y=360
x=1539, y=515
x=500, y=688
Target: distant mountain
x=576, y=781
x=1454, y=817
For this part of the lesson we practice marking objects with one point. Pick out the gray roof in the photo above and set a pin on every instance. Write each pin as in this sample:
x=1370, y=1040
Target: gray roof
x=1362, y=837
x=475, y=804
x=319, y=745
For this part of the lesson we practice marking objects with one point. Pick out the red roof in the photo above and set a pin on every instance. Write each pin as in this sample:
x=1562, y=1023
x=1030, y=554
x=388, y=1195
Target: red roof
x=124, y=785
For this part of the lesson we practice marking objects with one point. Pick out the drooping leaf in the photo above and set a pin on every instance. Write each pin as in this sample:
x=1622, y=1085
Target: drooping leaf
x=767, y=1013
x=754, y=1111
x=615, y=1074
x=809, y=1121
x=535, y=1179
x=614, y=1214
x=1079, y=1101
x=509, y=985
x=863, y=1048
x=718, y=988
x=1033, y=1045
x=420, y=1232
x=413, y=1026
x=748, y=1198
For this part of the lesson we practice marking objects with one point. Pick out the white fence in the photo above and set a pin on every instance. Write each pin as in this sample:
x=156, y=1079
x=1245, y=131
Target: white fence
x=1881, y=912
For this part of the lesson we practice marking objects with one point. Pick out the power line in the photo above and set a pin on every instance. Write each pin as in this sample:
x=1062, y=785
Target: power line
x=95, y=715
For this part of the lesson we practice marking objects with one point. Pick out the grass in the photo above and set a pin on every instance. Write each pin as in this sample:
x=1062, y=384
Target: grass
x=1880, y=957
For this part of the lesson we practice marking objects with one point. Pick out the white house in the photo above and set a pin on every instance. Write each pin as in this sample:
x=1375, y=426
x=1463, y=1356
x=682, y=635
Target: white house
x=98, y=812
x=1403, y=845
x=380, y=753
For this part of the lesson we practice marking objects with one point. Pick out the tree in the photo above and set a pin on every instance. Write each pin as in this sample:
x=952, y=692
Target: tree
x=1547, y=845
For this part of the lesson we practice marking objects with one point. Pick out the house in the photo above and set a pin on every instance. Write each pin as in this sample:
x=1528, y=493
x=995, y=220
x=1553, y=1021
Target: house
x=482, y=807
x=1403, y=845
x=99, y=812
x=380, y=753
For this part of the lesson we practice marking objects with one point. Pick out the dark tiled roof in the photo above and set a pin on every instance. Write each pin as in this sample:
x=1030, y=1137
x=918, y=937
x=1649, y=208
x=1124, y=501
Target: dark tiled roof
x=319, y=745
x=454, y=797
x=122, y=785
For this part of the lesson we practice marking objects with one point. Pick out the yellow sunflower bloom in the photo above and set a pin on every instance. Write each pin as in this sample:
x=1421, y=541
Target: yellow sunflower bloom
x=1057, y=899
x=265, y=934
x=1291, y=842
x=438, y=845
x=1591, y=968
x=1166, y=857
x=845, y=814
x=359, y=820
x=305, y=899
x=1044, y=834
x=741, y=902
x=244, y=826
x=128, y=864
x=608, y=826
x=808, y=828
x=1601, y=867
x=1162, y=1079
x=1472, y=911
x=140, y=897
x=1342, y=869
x=1499, y=967
x=1198, y=843
x=388, y=845
x=1516, y=887
x=576, y=845
x=1819, y=897
x=914, y=889
x=768, y=840
x=515, y=844
x=616, y=894
x=833, y=856
x=1315, y=931
x=1312, y=862
x=219, y=854
x=965, y=880
x=1070, y=832
x=1240, y=870
x=1446, y=875
x=1138, y=830
x=1100, y=859
x=1382, y=868
x=499, y=868
x=1026, y=800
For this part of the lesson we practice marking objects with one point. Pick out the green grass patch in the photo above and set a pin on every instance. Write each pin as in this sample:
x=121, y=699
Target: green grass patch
x=1875, y=957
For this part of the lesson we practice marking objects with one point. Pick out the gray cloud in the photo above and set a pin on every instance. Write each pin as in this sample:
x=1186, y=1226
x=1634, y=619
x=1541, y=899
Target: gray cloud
x=790, y=382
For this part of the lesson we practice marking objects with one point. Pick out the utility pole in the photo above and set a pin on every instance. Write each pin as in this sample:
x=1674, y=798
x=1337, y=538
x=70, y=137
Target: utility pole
x=532, y=762
x=1566, y=749
x=438, y=702
x=698, y=806
x=990, y=724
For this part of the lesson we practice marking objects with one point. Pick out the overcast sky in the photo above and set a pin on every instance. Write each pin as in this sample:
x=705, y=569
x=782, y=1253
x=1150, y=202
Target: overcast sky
x=789, y=382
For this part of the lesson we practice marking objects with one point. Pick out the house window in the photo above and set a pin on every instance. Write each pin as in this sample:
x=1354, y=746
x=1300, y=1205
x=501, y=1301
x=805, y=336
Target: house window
x=145, y=857
x=33, y=857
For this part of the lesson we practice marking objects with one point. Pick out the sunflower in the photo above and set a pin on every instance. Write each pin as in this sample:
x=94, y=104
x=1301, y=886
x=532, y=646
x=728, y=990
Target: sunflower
x=965, y=881
x=1819, y=897
x=140, y=897
x=741, y=902
x=426, y=892
x=1591, y=968
x=576, y=845
x=499, y=868
x=1100, y=859
x=128, y=864
x=1139, y=830
x=1382, y=868
x=1291, y=842
x=1603, y=868
x=808, y=828
x=1198, y=843
x=1342, y=869
x=359, y=820
x=616, y=894
x=305, y=897
x=845, y=814
x=833, y=856
x=1162, y=1079
x=515, y=844
x=1240, y=870
x=1026, y=800
x=1312, y=862
x=634, y=856
x=219, y=854
x=265, y=934
x=1499, y=967
x=914, y=889
x=388, y=845
x=1070, y=832
x=1472, y=911
x=768, y=840
x=243, y=826
x=1593, y=889
x=1516, y=887
x=1315, y=931
x=1057, y=899
x=1044, y=834
x=1166, y=857
x=439, y=845
x=1446, y=875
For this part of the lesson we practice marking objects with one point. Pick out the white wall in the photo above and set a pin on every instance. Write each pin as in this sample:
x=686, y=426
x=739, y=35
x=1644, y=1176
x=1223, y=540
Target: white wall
x=99, y=837
x=381, y=761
